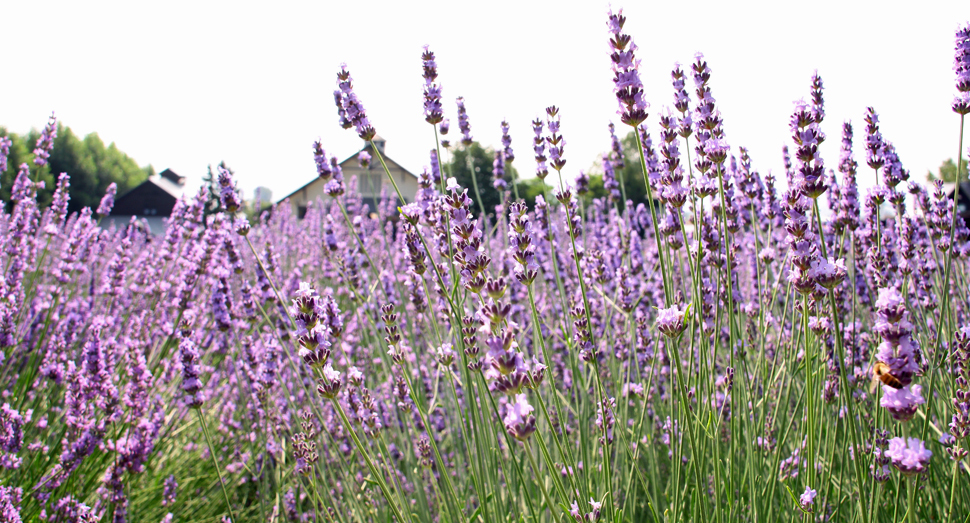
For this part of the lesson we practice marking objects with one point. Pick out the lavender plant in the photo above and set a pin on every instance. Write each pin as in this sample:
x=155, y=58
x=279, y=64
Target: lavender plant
x=727, y=351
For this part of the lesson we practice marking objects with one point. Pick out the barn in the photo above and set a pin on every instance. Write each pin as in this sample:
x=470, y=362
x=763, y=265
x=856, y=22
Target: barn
x=152, y=201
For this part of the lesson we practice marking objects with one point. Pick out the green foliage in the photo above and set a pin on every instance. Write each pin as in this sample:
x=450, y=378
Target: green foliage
x=631, y=175
x=91, y=166
x=474, y=158
x=948, y=170
x=532, y=187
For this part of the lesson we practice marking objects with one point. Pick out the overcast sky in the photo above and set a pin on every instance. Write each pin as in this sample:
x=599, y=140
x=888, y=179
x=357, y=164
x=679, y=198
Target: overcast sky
x=182, y=85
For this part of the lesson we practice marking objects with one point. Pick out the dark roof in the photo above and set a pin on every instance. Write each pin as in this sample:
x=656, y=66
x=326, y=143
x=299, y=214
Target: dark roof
x=155, y=196
x=367, y=147
x=172, y=176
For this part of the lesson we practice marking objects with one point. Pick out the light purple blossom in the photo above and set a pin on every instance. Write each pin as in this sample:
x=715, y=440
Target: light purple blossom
x=909, y=456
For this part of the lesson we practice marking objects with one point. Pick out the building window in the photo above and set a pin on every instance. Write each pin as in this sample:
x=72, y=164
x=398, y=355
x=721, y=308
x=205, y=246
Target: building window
x=301, y=211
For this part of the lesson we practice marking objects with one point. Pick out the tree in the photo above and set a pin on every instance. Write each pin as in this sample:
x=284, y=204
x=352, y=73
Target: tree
x=91, y=166
x=474, y=158
x=948, y=170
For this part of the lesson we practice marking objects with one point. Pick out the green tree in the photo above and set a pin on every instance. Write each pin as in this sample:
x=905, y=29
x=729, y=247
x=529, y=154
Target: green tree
x=948, y=171
x=466, y=160
x=91, y=166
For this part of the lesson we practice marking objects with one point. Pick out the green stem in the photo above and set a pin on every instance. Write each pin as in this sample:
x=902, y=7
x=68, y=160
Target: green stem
x=212, y=453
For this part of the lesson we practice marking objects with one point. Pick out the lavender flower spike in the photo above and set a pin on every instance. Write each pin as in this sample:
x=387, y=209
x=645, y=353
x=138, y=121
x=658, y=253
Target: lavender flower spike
x=5, y=144
x=433, y=112
x=961, y=66
x=228, y=194
x=108, y=201
x=507, y=143
x=626, y=76
x=463, y=125
x=191, y=385
x=353, y=109
x=45, y=143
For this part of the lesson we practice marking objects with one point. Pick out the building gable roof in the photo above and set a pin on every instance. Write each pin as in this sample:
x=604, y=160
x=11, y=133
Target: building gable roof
x=157, y=194
x=352, y=159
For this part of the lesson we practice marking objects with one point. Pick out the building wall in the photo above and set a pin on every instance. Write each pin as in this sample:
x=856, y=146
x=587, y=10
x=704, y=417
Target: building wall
x=369, y=183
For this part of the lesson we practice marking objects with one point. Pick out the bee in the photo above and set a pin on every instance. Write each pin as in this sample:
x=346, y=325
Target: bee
x=883, y=373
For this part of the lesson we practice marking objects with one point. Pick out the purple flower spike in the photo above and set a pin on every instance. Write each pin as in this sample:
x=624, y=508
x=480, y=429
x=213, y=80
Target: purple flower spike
x=961, y=66
x=323, y=165
x=626, y=76
x=498, y=171
x=909, y=456
x=108, y=201
x=539, y=146
x=191, y=384
x=433, y=111
x=5, y=144
x=522, y=242
x=556, y=142
x=353, y=110
x=228, y=193
x=45, y=143
x=463, y=125
x=507, y=143
x=364, y=159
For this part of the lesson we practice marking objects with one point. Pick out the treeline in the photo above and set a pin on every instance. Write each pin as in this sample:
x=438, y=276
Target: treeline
x=91, y=165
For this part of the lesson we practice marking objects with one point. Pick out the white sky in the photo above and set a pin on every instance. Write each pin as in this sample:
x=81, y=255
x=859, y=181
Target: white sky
x=186, y=84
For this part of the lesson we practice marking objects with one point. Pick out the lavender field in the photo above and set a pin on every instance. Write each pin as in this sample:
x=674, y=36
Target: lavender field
x=741, y=347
